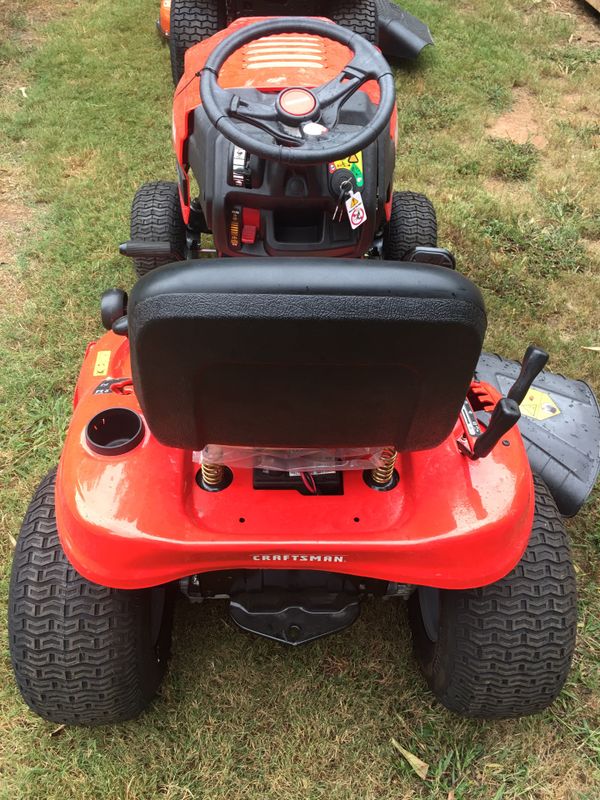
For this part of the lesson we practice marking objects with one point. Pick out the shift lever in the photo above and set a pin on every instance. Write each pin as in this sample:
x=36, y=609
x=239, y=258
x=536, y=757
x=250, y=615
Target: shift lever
x=507, y=412
x=534, y=361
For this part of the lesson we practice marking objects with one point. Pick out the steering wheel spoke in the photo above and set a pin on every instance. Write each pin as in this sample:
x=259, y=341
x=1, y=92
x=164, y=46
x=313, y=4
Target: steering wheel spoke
x=332, y=95
x=251, y=109
x=272, y=127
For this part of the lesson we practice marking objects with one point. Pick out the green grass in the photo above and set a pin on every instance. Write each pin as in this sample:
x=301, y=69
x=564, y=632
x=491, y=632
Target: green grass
x=514, y=162
x=85, y=119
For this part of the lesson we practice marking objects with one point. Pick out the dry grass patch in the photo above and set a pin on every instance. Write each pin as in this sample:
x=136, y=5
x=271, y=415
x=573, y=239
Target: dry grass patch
x=522, y=123
x=517, y=196
x=12, y=221
x=580, y=14
x=80, y=165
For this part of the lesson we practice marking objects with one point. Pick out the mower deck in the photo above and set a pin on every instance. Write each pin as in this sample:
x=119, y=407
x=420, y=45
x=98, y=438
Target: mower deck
x=141, y=518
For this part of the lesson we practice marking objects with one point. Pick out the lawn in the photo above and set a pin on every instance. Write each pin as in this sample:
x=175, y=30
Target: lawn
x=498, y=125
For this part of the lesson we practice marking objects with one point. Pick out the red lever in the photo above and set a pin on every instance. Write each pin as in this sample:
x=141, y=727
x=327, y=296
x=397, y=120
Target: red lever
x=250, y=225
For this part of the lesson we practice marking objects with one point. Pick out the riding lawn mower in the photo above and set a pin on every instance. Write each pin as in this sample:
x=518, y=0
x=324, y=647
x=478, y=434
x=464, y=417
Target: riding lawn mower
x=303, y=419
x=184, y=23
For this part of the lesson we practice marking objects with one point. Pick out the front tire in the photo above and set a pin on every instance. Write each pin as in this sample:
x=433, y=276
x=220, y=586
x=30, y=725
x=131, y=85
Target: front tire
x=359, y=16
x=505, y=650
x=413, y=223
x=156, y=217
x=82, y=654
x=192, y=21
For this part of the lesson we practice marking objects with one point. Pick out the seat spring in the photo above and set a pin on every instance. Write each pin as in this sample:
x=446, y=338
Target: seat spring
x=384, y=473
x=212, y=474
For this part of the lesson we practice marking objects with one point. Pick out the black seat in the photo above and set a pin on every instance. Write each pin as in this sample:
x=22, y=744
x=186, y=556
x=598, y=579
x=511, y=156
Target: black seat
x=303, y=352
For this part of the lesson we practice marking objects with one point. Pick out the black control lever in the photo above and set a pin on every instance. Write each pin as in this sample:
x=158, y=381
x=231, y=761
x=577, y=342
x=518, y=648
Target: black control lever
x=121, y=326
x=534, y=361
x=136, y=248
x=506, y=414
x=113, y=306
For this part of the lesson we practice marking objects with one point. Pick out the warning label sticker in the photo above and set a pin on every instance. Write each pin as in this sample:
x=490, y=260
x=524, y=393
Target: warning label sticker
x=102, y=362
x=355, y=210
x=539, y=405
x=470, y=419
x=354, y=163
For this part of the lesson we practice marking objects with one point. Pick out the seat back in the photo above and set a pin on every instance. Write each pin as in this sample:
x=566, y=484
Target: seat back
x=300, y=353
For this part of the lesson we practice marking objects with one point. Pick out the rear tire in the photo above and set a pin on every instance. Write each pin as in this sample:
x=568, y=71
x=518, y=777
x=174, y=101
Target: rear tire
x=413, y=223
x=359, y=16
x=156, y=217
x=505, y=650
x=82, y=654
x=192, y=21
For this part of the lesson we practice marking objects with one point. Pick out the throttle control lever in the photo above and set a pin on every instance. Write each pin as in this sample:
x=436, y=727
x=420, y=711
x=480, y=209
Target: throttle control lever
x=534, y=361
x=507, y=412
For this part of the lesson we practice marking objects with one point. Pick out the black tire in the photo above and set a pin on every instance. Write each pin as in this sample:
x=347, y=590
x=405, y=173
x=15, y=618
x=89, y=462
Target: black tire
x=505, y=650
x=359, y=16
x=192, y=21
x=82, y=654
x=413, y=223
x=156, y=217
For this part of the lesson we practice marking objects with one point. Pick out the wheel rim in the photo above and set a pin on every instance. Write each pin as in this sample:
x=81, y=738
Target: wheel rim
x=429, y=603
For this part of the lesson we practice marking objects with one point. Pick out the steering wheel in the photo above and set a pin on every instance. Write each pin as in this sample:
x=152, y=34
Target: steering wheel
x=302, y=122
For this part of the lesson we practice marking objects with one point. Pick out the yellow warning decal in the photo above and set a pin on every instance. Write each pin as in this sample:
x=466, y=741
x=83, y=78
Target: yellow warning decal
x=102, y=362
x=354, y=163
x=539, y=405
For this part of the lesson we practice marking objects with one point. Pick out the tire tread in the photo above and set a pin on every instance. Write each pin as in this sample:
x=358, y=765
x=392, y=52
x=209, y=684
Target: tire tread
x=192, y=21
x=156, y=217
x=512, y=642
x=359, y=16
x=413, y=223
x=74, y=644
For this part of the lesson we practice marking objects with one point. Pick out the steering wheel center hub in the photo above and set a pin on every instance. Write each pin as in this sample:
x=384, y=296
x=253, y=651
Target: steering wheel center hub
x=297, y=103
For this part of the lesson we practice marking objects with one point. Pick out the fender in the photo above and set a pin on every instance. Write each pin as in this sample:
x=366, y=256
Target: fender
x=140, y=519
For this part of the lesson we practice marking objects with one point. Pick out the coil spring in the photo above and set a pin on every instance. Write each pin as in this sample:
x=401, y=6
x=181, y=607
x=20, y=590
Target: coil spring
x=212, y=474
x=384, y=473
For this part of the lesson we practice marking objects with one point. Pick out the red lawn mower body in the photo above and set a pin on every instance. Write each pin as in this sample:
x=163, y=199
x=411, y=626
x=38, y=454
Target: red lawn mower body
x=451, y=523
x=270, y=65
x=307, y=334
x=141, y=519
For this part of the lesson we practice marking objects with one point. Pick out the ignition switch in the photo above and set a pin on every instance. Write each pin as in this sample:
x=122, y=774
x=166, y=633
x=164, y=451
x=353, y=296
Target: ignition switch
x=342, y=180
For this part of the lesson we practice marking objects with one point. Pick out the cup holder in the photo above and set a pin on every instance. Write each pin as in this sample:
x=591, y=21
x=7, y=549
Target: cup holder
x=114, y=431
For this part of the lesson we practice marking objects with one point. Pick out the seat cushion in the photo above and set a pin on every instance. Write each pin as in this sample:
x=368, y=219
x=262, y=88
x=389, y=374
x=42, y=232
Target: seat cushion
x=303, y=352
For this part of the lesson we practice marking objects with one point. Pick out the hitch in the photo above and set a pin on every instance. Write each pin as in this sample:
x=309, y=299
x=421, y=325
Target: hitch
x=294, y=606
x=294, y=618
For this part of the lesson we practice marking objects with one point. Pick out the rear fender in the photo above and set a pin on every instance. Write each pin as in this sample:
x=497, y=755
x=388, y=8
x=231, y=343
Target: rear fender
x=141, y=519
